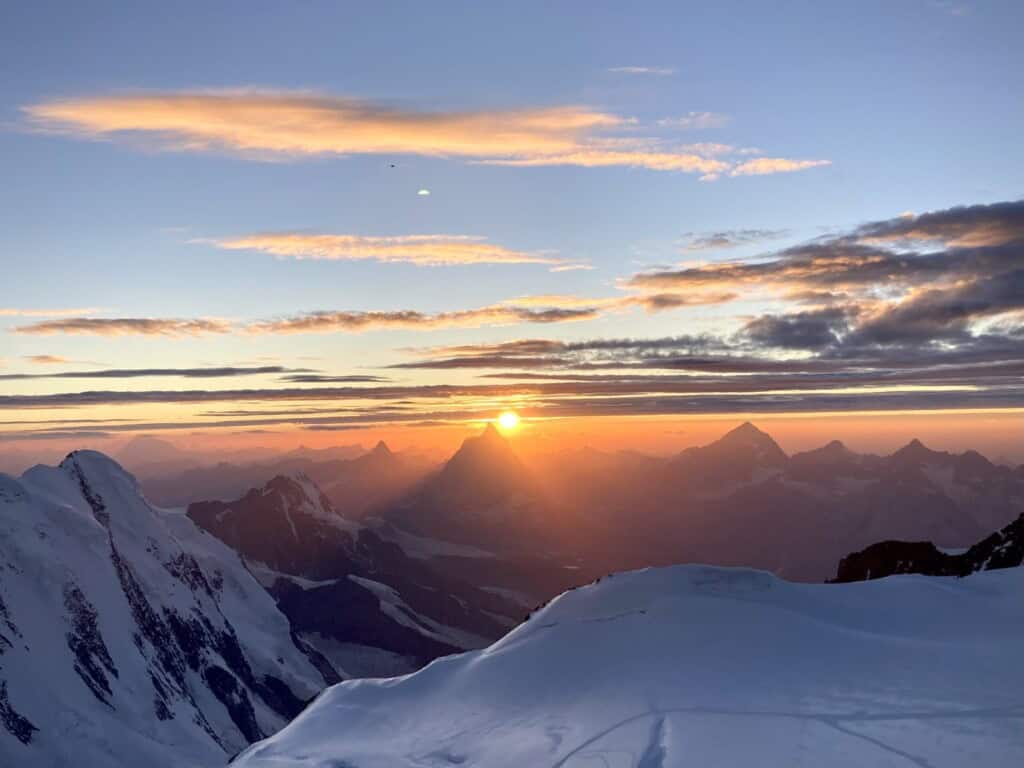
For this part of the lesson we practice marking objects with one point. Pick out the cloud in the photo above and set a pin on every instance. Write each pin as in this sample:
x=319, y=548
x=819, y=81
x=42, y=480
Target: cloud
x=762, y=166
x=422, y=250
x=695, y=121
x=553, y=308
x=872, y=260
x=133, y=373
x=661, y=71
x=972, y=226
x=660, y=302
x=570, y=267
x=318, y=378
x=286, y=124
x=47, y=359
x=355, y=322
x=729, y=238
x=126, y=326
x=799, y=330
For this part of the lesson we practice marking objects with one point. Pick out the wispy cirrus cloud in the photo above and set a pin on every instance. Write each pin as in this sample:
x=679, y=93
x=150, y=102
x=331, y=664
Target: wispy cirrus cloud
x=47, y=359
x=355, y=322
x=695, y=121
x=136, y=373
x=280, y=124
x=422, y=250
x=127, y=326
x=763, y=166
x=637, y=70
x=728, y=238
x=544, y=309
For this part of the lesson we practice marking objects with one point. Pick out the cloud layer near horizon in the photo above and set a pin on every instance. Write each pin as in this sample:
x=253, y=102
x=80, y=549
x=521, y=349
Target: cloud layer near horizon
x=915, y=312
x=268, y=124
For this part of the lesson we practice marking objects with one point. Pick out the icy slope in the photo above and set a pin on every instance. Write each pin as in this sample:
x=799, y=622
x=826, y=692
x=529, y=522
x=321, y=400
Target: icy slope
x=128, y=636
x=701, y=666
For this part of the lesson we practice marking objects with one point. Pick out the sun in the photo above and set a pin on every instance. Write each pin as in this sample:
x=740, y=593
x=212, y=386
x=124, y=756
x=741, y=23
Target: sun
x=508, y=421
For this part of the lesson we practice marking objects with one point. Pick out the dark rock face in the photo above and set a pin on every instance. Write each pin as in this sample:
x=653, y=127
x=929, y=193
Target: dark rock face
x=16, y=724
x=322, y=568
x=1003, y=549
x=286, y=524
x=92, y=659
x=354, y=616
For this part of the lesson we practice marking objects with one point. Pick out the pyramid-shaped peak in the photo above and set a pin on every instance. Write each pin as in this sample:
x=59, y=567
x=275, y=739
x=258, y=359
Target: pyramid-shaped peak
x=915, y=451
x=835, y=447
x=747, y=433
x=489, y=443
x=94, y=462
x=381, y=449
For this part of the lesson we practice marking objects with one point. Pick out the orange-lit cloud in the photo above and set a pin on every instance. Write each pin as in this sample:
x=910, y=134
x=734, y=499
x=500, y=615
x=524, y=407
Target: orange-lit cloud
x=302, y=123
x=423, y=250
x=47, y=359
x=763, y=166
x=355, y=322
x=127, y=326
x=546, y=309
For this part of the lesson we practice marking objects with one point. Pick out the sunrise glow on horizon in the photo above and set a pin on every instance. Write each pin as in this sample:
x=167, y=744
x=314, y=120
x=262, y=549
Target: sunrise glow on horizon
x=398, y=236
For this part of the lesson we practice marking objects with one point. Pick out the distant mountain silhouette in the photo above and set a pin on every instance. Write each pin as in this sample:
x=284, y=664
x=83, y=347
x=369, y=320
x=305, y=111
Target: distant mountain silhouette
x=742, y=455
x=354, y=485
x=741, y=500
x=484, y=495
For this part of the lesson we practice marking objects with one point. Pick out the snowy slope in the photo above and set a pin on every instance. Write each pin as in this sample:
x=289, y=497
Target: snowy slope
x=127, y=635
x=702, y=666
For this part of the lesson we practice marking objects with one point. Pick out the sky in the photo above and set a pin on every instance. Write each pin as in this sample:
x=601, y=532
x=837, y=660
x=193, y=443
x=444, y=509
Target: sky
x=265, y=223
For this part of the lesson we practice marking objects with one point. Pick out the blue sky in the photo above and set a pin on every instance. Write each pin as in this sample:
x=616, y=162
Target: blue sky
x=915, y=105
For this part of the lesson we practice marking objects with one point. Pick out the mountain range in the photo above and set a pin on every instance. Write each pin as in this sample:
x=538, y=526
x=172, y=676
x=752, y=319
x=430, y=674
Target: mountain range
x=130, y=632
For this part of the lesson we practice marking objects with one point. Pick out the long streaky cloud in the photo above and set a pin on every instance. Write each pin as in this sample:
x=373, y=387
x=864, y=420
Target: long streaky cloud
x=354, y=322
x=275, y=124
x=422, y=250
x=763, y=166
x=543, y=309
x=127, y=326
x=134, y=373
x=636, y=70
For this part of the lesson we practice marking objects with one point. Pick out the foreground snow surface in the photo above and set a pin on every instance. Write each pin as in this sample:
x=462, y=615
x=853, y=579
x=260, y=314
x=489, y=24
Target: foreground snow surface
x=701, y=666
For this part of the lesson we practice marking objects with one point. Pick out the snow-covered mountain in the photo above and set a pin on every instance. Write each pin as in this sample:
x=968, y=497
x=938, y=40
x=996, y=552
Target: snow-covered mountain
x=128, y=636
x=701, y=666
x=1003, y=549
x=362, y=601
